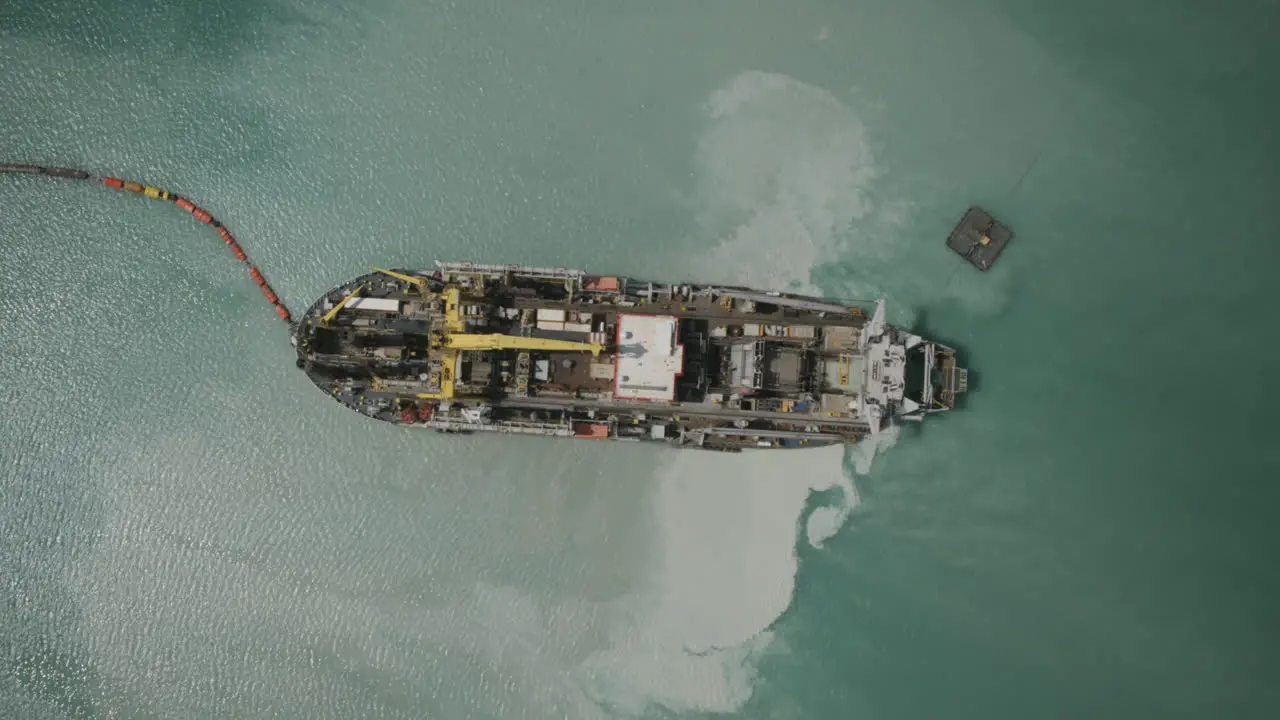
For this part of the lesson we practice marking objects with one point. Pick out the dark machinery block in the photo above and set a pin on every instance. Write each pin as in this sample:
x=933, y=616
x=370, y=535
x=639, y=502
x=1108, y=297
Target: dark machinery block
x=979, y=238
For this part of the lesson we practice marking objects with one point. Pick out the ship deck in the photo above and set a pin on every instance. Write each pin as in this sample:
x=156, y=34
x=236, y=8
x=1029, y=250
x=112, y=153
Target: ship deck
x=556, y=352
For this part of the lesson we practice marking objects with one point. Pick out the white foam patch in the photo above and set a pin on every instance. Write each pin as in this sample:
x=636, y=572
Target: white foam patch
x=825, y=522
x=782, y=171
x=864, y=453
x=724, y=572
x=785, y=184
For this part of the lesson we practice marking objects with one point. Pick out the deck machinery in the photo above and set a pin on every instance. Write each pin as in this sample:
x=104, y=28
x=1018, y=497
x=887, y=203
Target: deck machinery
x=472, y=347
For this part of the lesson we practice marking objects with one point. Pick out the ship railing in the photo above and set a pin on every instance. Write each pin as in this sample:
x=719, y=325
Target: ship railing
x=817, y=305
x=756, y=432
x=470, y=268
x=506, y=426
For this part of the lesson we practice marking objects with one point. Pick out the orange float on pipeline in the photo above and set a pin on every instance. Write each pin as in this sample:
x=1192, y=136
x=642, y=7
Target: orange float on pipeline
x=230, y=240
x=156, y=193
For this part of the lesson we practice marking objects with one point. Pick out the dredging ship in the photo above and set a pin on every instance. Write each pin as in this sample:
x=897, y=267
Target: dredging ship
x=468, y=347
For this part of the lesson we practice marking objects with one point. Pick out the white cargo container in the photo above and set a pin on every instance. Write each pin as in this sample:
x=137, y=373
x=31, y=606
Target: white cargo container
x=374, y=304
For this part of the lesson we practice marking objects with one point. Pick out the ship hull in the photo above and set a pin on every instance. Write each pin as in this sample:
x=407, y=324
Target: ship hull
x=552, y=352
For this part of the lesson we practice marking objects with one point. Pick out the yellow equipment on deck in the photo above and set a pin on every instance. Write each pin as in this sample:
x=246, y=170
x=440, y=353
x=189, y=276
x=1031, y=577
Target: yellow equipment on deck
x=516, y=342
x=449, y=359
x=454, y=339
x=452, y=344
x=452, y=319
x=451, y=296
x=341, y=304
x=416, y=280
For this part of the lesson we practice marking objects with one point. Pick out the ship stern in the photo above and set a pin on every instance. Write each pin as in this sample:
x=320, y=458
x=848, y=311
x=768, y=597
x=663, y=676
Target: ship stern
x=934, y=379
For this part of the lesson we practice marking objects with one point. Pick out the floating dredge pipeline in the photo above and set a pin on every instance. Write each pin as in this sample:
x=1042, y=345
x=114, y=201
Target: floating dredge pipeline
x=152, y=192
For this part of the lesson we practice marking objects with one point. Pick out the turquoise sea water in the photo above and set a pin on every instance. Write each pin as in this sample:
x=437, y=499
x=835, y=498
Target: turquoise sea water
x=190, y=530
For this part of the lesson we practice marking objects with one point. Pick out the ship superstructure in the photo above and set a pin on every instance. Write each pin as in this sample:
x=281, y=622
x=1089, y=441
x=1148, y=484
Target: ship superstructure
x=468, y=347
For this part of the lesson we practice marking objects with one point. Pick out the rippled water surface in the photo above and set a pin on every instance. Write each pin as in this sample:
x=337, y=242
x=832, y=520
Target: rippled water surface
x=189, y=529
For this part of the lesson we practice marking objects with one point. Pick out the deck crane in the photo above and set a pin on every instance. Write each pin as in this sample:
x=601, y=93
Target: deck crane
x=451, y=296
x=341, y=304
x=452, y=340
x=451, y=345
x=454, y=337
x=415, y=280
x=500, y=341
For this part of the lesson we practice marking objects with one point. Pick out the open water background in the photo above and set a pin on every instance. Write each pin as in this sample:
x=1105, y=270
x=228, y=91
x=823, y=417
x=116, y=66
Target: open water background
x=189, y=529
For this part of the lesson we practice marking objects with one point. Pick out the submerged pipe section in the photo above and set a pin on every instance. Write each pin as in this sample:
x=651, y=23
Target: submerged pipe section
x=196, y=211
x=41, y=170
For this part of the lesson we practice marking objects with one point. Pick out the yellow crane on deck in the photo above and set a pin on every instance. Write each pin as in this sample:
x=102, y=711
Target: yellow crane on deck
x=341, y=304
x=415, y=280
x=451, y=345
x=499, y=341
x=451, y=296
x=454, y=340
